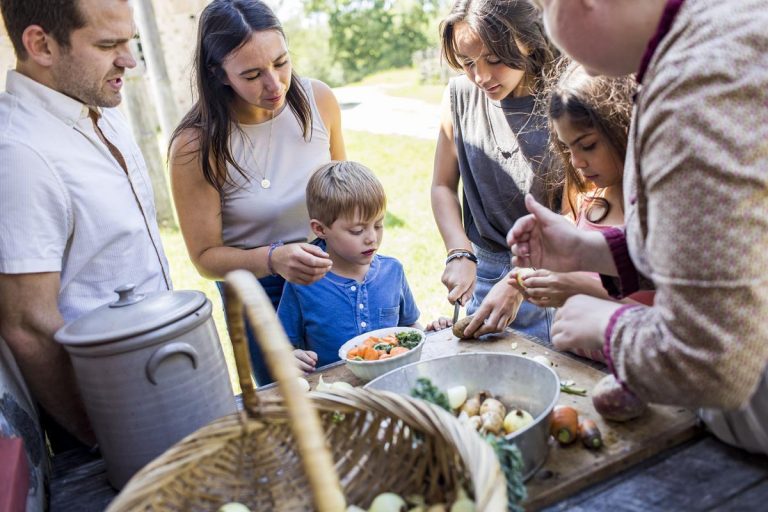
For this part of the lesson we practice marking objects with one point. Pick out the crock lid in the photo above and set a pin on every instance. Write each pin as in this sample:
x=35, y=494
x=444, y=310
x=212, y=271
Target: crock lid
x=130, y=315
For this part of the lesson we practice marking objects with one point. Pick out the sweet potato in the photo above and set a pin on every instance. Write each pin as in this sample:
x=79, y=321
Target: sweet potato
x=614, y=402
x=458, y=327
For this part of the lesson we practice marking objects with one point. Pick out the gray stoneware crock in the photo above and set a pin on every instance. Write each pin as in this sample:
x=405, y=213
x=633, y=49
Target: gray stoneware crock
x=150, y=370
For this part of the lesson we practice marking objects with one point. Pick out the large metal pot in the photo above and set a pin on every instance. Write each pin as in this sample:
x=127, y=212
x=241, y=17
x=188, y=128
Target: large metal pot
x=150, y=370
x=516, y=381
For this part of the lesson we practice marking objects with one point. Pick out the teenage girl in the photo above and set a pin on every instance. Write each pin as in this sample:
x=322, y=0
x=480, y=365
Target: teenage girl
x=494, y=144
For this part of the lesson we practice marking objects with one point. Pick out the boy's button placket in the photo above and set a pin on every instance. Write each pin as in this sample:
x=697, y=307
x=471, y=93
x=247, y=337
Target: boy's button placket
x=362, y=311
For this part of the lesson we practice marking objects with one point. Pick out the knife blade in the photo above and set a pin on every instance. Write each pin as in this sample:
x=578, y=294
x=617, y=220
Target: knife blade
x=456, y=307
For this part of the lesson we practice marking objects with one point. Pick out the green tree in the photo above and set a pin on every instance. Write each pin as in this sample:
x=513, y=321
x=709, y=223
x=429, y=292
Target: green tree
x=374, y=35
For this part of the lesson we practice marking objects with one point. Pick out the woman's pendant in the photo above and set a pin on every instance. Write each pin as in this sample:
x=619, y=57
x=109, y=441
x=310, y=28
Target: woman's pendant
x=265, y=183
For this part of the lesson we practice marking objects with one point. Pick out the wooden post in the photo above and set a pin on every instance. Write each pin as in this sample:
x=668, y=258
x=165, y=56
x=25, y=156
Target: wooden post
x=152, y=49
x=143, y=118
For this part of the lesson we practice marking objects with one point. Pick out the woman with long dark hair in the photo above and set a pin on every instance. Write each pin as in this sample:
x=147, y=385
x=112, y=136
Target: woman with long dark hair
x=242, y=156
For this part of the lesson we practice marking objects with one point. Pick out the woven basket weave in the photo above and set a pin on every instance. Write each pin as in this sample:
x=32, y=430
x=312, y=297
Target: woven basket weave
x=312, y=451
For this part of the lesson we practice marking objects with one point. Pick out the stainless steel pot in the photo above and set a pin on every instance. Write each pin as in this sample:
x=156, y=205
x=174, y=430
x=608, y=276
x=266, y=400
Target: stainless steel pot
x=150, y=370
x=516, y=381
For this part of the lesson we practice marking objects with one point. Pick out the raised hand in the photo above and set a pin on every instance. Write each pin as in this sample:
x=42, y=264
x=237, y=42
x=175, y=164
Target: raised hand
x=545, y=239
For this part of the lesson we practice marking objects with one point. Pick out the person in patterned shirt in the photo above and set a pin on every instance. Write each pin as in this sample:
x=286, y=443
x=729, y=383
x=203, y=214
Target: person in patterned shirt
x=696, y=206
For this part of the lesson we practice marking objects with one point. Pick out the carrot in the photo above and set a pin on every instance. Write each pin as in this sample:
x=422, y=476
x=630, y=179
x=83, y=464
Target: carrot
x=397, y=351
x=565, y=424
x=369, y=342
x=390, y=340
x=370, y=354
x=590, y=434
x=356, y=351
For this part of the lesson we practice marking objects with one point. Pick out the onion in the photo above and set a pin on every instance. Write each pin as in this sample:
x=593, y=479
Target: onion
x=517, y=419
x=388, y=502
x=304, y=383
x=613, y=402
x=457, y=395
x=233, y=506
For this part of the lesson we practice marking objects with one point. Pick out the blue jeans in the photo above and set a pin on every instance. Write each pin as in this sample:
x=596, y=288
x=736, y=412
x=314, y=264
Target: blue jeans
x=273, y=285
x=491, y=268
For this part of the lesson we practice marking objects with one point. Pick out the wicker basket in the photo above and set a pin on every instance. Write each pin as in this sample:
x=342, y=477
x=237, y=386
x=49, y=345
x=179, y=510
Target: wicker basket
x=279, y=454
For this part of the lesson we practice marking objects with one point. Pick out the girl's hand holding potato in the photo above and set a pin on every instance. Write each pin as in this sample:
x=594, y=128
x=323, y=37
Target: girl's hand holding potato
x=551, y=289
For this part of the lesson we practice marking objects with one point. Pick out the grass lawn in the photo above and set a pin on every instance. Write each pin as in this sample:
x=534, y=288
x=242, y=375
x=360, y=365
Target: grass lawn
x=404, y=166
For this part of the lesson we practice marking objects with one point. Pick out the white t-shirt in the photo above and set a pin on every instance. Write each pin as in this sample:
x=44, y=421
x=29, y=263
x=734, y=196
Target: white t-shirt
x=67, y=206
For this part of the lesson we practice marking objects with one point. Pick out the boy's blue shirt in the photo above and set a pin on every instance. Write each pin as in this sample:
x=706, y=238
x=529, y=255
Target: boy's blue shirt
x=325, y=314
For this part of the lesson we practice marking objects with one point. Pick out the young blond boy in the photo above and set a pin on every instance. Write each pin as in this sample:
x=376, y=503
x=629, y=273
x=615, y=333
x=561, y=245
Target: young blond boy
x=363, y=291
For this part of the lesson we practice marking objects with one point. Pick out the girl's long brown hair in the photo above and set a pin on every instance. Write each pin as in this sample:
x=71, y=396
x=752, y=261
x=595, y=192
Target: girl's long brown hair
x=590, y=102
x=502, y=25
x=225, y=26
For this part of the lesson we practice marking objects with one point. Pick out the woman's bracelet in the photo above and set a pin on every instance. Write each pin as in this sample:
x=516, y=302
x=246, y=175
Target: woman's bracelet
x=460, y=253
x=272, y=247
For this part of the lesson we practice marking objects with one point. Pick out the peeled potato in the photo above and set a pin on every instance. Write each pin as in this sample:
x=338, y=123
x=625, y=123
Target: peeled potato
x=521, y=274
x=458, y=327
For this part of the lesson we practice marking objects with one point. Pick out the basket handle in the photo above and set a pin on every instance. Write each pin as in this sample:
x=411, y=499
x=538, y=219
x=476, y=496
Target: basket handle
x=242, y=289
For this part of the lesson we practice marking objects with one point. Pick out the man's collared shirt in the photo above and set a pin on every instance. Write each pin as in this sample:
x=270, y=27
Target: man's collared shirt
x=67, y=205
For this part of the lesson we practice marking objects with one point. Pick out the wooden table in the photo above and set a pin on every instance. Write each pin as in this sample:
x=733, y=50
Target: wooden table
x=662, y=461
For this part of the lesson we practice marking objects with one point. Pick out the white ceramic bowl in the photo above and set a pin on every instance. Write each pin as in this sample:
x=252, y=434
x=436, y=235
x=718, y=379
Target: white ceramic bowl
x=368, y=370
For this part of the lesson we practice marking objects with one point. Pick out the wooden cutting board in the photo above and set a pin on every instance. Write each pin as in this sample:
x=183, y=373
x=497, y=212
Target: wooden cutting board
x=568, y=469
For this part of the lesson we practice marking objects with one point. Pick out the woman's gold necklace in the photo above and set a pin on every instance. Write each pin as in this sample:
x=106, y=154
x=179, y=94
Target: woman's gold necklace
x=265, y=183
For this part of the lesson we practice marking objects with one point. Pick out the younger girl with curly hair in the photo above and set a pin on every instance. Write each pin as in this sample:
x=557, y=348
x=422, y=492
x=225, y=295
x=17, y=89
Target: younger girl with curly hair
x=589, y=125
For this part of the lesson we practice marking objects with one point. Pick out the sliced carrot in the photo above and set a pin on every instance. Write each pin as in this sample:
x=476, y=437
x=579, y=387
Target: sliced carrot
x=397, y=351
x=371, y=354
x=354, y=352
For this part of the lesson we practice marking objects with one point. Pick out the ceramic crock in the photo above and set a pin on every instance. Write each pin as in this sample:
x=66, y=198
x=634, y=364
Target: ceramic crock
x=151, y=370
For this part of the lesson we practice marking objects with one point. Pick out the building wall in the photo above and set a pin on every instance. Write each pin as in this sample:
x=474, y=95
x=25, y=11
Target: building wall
x=177, y=21
x=7, y=58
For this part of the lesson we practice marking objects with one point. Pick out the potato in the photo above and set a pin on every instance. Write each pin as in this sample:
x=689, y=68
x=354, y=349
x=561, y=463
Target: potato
x=491, y=404
x=458, y=327
x=522, y=273
x=615, y=403
x=492, y=422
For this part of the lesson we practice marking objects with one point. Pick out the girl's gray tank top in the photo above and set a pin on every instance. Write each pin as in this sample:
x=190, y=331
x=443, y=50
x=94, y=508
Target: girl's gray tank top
x=502, y=154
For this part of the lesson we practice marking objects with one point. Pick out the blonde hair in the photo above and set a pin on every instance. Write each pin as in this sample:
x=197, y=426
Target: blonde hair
x=344, y=189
